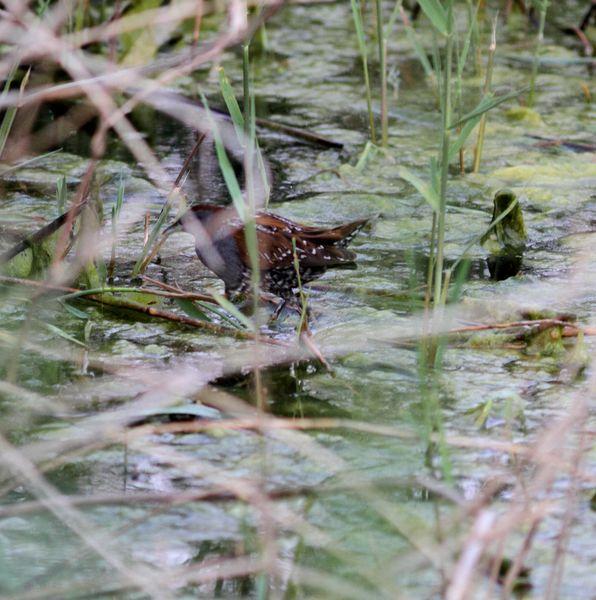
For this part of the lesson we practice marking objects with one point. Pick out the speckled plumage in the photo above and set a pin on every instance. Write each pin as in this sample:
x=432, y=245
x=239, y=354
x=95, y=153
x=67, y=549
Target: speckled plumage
x=221, y=246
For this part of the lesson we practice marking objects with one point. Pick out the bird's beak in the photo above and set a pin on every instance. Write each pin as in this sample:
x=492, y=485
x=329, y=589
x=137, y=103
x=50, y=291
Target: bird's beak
x=176, y=226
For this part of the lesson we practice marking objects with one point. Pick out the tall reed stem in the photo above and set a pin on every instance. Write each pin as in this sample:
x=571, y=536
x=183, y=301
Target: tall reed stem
x=542, y=7
x=487, y=85
x=246, y=86
x=252, y=243
x=445, y=143
x=357, y=15
x=382, y=42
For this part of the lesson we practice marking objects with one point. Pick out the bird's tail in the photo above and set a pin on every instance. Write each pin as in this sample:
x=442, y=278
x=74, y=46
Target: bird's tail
x=338, y=237
x=346, y=232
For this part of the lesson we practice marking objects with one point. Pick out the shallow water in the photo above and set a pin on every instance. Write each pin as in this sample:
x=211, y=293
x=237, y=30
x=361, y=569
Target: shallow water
x=367, y=538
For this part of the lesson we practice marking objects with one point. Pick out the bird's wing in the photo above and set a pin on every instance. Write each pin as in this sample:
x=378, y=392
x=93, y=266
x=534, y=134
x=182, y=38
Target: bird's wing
x=340, y=235
x=276, y=249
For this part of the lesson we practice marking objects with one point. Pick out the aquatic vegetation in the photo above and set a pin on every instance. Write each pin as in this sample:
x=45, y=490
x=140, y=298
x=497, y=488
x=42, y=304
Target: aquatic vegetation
x=506, y=239
x=415, y=427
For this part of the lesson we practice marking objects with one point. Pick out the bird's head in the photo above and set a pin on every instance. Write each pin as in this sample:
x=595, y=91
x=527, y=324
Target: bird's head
x=188, y=221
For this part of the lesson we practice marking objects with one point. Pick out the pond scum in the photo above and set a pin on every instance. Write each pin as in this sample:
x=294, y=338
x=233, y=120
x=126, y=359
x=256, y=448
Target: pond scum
x=419, y=427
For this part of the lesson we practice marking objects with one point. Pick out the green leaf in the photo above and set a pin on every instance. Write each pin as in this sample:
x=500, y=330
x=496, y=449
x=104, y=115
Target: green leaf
x=357, y=14
x=435, y=176
x=225, y=165
x=27, y=162
x=463, y=57
x=61, y=333
x=227, y=305
x=191, y=309
x=61, y=192
x=487, y=103
x=369, y=152
x=220, y=312
x=11, y=111
x=436, y=14
x=75, y=312
x=232, y=104
x=87, y=331
x=464, y=134
x=163, y=215
x=427, y=190
x=119, y=198
x=419, y=50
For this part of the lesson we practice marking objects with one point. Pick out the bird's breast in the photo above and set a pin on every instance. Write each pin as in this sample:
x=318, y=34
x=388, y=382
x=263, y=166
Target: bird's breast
x=221, y=256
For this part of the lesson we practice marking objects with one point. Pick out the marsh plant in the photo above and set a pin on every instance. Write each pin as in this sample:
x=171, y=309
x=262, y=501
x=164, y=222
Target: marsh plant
x=384, y=440
x=454, y=132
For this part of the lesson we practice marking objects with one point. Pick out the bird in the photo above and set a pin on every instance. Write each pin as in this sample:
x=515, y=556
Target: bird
x=221, y=245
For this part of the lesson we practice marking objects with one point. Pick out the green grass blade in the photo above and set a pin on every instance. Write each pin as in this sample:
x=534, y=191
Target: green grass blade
x=61, y=190
x=435, y=13
x=464, y=134
x=435, y=176
x=191, y=309
x=120, y=196
x=29, y=161
x=153, y=235
x=360, y=36
x=225, y=165
x=61, y=333
x=219, y=312
x=75, y=312
x=419, y=51
x=227, y=305
x=487, y=103
x=11, y=111
x=231, y=103
x=463, y=57
x=427, y=190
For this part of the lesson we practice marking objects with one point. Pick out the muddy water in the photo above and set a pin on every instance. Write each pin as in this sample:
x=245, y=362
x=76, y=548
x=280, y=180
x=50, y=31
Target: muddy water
x=311, y=78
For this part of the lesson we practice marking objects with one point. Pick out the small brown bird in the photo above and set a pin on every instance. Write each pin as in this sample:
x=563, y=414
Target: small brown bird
x=222, y=247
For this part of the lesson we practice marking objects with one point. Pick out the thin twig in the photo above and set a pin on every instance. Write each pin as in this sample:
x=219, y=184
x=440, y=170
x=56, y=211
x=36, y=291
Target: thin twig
x=569, y=329
x=106, y=300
